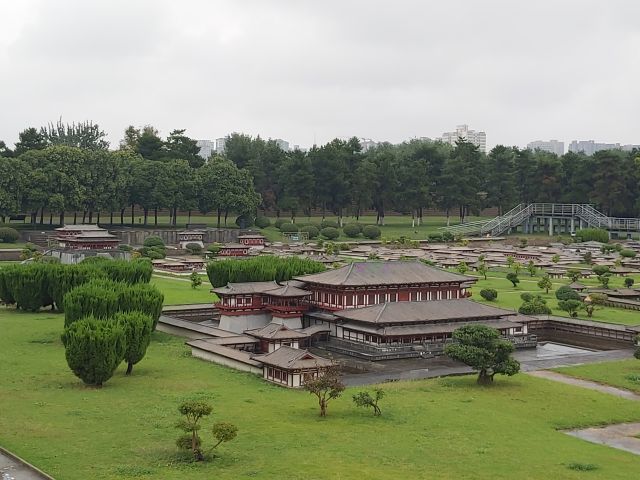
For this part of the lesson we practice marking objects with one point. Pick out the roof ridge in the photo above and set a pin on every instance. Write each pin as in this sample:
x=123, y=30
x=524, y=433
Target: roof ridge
x=349, y=270
x=384, y=306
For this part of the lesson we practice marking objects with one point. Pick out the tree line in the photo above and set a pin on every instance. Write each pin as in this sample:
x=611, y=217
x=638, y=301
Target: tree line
x=69, y=168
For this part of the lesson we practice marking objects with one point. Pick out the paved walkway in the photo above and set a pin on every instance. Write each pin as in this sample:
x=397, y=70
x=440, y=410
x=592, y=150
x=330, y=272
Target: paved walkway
x=11, y=469
x=365, y=372
x=621, y=436
x=577, y=382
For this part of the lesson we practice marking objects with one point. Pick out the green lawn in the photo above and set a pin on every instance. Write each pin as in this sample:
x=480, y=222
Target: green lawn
x=178, y=291
x=437, y=429
x=6, y=246
x=623, y=373
x=509, y=297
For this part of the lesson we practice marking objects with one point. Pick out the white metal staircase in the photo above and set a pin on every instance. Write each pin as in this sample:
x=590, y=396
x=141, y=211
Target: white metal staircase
x=520, y=213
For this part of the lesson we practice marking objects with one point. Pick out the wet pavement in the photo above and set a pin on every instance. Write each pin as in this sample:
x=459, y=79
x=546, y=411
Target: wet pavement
x=545, y=356
x=11, y=469
x=622, y=436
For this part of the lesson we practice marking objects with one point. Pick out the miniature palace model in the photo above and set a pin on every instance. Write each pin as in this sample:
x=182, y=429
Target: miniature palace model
x=372, y=310
x=85, y=237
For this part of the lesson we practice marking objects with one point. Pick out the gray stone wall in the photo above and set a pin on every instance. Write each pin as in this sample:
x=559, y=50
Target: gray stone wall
x=170, y=236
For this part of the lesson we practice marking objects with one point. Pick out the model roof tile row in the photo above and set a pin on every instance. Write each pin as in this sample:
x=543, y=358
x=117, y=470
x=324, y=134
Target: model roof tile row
x=420, y=312
x=292, y=359
x=384, y=273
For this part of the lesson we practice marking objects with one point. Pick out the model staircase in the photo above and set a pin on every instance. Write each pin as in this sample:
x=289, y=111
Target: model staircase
x=522, y=212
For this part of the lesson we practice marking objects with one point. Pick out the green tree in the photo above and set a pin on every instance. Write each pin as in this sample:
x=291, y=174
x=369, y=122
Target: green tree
x=180, y=147
x=94, y=349
x=462, y=268
x=482, y=269
x=367, y=400
x=29, y=139
x=86, y=135
x=628, y=282
x=137, y=327
x=325, y=387
x=513, y=278
x=570, y=306
x=545, y=284
x=531, y=267
x=482, y=349
x=574, y=274
x=196, y=281
x=193, y=412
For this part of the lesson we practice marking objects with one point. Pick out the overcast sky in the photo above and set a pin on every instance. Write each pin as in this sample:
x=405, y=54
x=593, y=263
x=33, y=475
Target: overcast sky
x=304, y=70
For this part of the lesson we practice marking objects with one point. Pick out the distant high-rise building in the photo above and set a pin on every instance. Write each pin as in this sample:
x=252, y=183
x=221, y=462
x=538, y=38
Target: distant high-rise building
x=220, y=143
x=630, y=146
x=589, y=147
x=207, y=147
x=283, y=144
x=479, y=139
x=367, y=144
x=552, y=146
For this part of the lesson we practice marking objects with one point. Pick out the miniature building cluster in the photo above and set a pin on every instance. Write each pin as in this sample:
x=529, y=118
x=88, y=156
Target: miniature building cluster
x=373, y=310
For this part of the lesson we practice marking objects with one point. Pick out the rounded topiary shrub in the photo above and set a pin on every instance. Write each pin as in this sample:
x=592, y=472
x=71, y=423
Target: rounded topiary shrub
x=193, y=248
x=352, y=230
x=94, y=349
x=371, y=232
x=627, y=253
x=567, y=293
x=262, y=222
x=245, y=221
x=289, y=228
x=153, y=241
x=9, y=235
x=329, y=223
x=312, y=230
x=330, y=233
x=435, y=237
x=489, y=294
x=279, y=222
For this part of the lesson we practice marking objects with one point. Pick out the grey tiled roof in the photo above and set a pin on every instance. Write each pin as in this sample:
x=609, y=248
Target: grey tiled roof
x=421, y=312
x=384, y=273
x=292, y=359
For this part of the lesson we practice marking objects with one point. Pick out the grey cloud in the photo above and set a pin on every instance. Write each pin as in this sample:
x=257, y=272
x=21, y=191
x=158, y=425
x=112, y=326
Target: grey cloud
x=302, y=69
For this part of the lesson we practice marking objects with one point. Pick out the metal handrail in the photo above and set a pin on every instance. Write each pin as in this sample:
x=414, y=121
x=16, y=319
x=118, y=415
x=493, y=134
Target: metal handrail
x=520, y=212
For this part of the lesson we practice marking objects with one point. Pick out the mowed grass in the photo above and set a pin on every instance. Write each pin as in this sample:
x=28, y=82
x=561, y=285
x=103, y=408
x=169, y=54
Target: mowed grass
x=437, y=429
x=6, y=246
x=178, y=291
x=509, y=297
x=623, y=373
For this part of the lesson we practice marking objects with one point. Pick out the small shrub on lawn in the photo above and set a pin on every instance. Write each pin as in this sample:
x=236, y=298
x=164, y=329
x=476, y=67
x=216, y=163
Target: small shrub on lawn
x=312, y=230
x=352, y=230
x=9, y=235
x=582, y=467
x=489, y=294
x=262, y=222
x=289, y=228
x=371, y=232
x=330, y=233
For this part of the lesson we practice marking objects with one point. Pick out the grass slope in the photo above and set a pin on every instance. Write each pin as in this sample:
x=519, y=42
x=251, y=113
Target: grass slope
x=437, y=429
x=178, y=291
x=623, y=373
